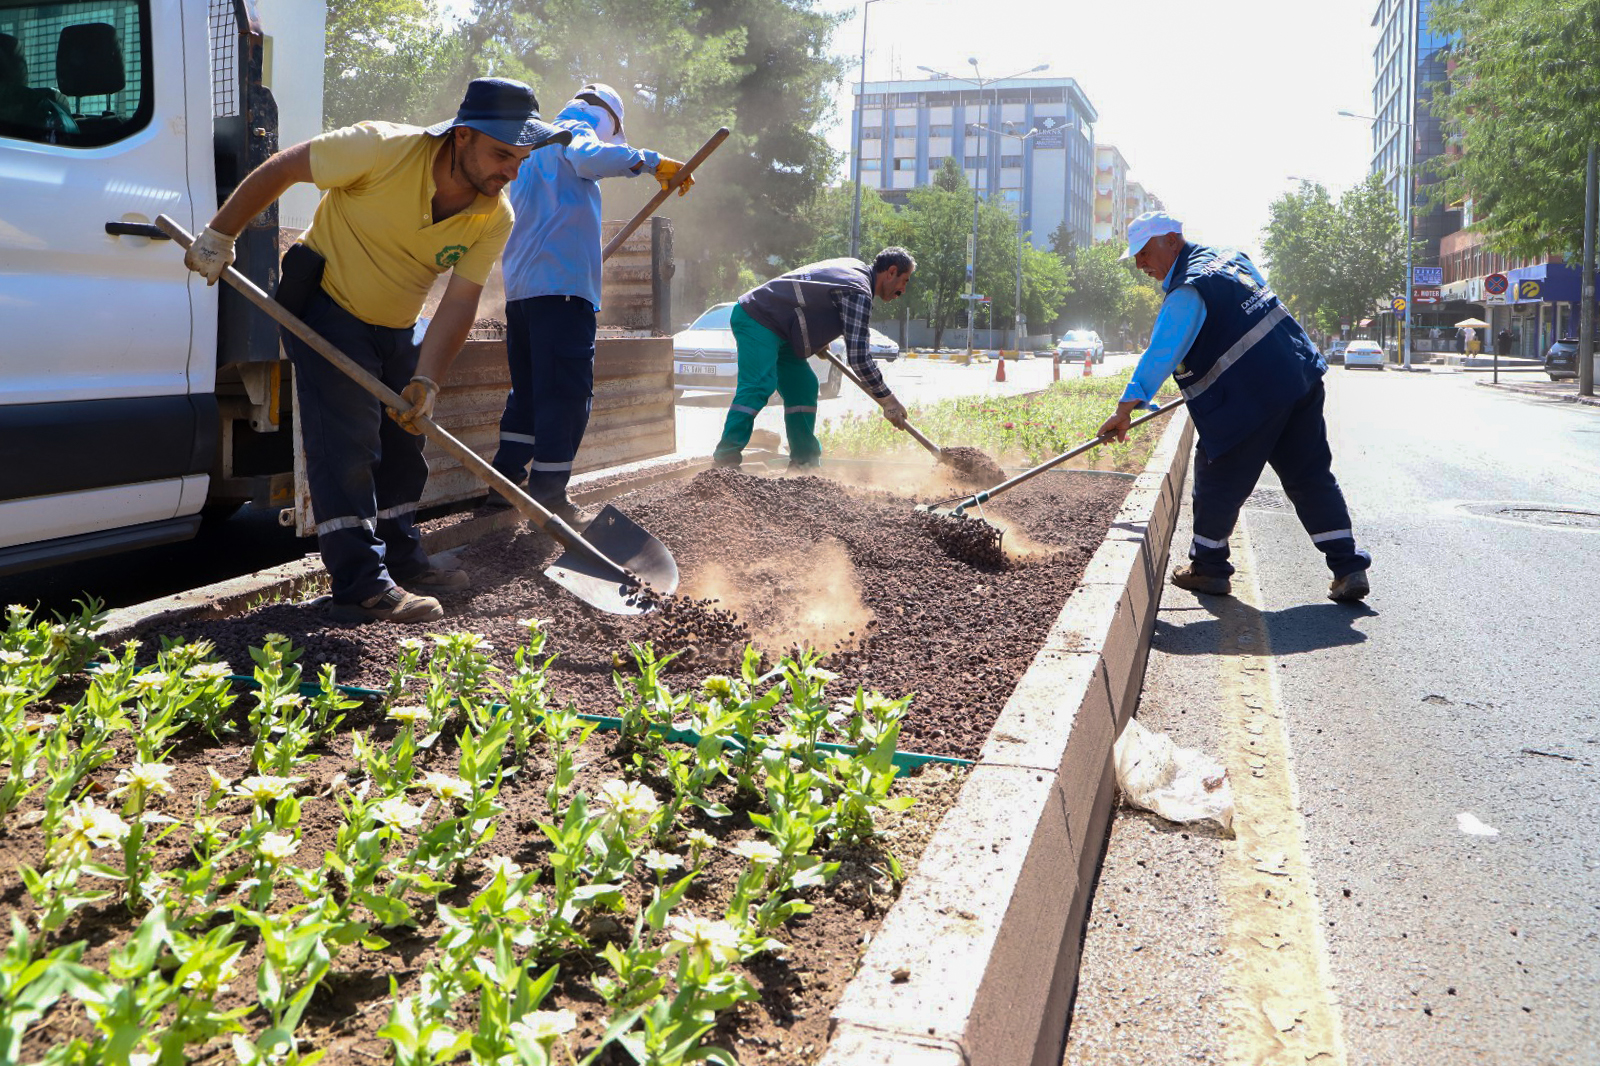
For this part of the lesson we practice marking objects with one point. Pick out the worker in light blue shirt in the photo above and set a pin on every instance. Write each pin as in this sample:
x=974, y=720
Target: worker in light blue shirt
x=552, y=268
x=1252, y=381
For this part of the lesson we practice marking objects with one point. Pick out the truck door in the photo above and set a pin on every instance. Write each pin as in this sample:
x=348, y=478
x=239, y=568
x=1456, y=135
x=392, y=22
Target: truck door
x=107, y=412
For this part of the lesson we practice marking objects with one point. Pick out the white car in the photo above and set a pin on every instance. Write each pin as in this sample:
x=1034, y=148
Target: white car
x=879, y=345
x=1081, y=344
x=706, y=358
x=1363, y=353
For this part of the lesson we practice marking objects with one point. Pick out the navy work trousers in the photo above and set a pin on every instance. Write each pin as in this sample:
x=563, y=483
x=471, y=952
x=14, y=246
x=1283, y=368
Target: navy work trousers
x=550, y=349
x=1295, y=443
x=366, y=473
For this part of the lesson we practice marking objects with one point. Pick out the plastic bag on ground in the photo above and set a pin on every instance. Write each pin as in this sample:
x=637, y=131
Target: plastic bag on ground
x=1179, y=784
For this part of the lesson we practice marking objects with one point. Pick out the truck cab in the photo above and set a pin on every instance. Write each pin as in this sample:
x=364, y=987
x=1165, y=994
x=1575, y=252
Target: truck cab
x=120, y=371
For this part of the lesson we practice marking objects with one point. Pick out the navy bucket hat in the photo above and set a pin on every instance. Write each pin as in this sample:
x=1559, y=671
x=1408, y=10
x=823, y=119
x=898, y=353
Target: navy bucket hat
x=505, y=110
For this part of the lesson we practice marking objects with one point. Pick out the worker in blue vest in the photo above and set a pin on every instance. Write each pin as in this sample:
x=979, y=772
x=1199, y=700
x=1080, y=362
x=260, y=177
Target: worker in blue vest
x=553, y=273
x=1253, y=383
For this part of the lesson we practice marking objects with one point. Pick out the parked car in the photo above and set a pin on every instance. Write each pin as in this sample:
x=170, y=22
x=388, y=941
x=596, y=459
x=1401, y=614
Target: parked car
x=1363, y=353
x=879, y=345
x=1081, y=344
x=1561, y=360
x=1335, y=352
x=705, y=357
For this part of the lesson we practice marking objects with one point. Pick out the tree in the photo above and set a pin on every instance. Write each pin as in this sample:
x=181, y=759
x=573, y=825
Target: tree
x=1299, y=232
x=685, y=67
x=827, y=218
x=1144, y=303
x=1332, y=261
x=388, y=60
x=1523, y=106
x=1101, y=288
x=939, y=221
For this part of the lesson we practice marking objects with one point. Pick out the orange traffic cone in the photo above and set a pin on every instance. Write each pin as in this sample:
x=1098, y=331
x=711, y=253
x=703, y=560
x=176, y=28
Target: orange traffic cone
x=1000, y=367
x=1088, y=365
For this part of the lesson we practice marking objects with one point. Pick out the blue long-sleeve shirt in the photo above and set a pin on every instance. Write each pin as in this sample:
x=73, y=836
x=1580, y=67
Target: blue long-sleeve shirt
x=1177, y=325
x=554, y=249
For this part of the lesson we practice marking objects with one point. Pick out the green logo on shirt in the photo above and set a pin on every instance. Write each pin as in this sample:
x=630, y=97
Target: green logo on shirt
x=450, y=255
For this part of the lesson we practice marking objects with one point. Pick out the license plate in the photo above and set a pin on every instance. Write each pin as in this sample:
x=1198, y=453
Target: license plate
x=696, y=368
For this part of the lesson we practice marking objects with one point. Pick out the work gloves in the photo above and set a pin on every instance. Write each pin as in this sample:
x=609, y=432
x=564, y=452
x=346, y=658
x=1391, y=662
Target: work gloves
x=210, y=254
x=420, y=394
x=894, y=411
x=665, y=170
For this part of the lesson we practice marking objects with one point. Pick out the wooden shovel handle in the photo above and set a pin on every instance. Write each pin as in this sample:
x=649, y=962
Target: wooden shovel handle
x=916, y=434
x=660, y=198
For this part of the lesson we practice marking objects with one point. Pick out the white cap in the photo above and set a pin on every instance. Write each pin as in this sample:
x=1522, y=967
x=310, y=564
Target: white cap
x=1150, y=224
x=610, y=98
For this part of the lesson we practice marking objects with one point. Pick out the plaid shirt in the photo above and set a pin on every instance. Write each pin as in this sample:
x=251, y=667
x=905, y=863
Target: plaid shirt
x=855, y=311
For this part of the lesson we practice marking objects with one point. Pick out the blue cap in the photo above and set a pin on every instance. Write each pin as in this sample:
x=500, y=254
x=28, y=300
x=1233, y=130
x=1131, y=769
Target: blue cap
x=505, y=110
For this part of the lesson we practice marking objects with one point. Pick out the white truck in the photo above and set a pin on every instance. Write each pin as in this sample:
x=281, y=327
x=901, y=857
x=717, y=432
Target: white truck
x=133, y=398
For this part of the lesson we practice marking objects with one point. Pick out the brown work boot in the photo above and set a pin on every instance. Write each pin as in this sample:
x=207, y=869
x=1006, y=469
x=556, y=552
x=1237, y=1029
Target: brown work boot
x=1352, y=588
x=569, y=512
x=394, y=605
x=436, y=579
x=1185, y=578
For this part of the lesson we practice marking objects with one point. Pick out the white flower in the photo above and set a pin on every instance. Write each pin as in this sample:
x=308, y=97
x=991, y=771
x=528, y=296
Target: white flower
x=396, y=812
x=149, y=777
x=410, y=715
x=86, y=826
x=264, y=788
x=545, y=1026
x=716, y=941
x=502, y=866
x=411, y=643
x=277, y=847
x=788, y=742
x=287, y=700
x=533, y=623
x=12, y=658
x=147, y=681
x=208, y=829
x=757, y=852
x=446, y=787
x=207, y=671
x=700, y=840
x=105, y=669
x=631, y=803
x=218, y=782
x=660, y=862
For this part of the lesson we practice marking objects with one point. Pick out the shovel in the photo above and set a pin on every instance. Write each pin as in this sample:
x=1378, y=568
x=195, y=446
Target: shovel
x=916, y=434
x=608, y=567
x=660, y=198
x=978, y=499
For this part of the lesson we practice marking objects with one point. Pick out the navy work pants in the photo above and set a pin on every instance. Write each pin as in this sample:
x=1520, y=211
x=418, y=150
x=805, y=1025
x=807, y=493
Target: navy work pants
x=366, y=473
x=550, y=349
x=1295, y=443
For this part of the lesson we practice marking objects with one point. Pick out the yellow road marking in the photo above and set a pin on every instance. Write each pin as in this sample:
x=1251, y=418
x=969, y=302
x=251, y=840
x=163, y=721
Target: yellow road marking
x=1282, y=1007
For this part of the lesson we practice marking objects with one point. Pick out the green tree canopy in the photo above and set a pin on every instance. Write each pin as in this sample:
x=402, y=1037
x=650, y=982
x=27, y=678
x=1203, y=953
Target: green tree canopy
x=1331, y=260
x=1102, y=288
x=388, y=60
x=1523, y=107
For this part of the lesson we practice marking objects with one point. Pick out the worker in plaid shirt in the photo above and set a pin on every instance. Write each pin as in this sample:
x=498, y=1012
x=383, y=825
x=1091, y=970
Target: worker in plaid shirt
x=779, y=324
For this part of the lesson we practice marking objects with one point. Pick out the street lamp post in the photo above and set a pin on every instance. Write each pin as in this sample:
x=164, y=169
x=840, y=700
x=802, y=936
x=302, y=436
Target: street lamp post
x=972, y=256
x=1410, y=193
x=861, y=111
x=1016, y=308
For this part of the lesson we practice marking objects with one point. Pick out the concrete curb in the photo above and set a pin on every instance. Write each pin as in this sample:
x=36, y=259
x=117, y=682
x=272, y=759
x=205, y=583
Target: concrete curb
x=1543, y=392
x=977, y=962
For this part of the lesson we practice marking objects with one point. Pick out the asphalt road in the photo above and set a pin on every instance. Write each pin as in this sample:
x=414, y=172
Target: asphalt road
x=1415, y=878
x=253, y=540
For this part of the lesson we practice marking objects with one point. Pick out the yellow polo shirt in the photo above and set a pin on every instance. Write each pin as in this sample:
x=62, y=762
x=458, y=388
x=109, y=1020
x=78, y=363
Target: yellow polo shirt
x=374, y=224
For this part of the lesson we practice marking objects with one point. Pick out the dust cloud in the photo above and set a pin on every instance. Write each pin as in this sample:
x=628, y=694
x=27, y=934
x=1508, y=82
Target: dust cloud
x=812, y=599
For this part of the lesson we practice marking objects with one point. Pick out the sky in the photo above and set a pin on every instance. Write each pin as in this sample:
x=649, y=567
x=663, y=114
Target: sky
x=1214, y=105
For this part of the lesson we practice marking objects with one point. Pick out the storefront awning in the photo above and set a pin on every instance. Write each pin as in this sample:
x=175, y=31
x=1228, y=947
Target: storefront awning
x=1364, y=323
x=1544, y=283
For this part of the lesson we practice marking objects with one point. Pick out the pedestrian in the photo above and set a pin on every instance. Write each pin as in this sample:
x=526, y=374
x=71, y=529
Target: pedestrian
x=1253, y=383
x=552, y=271
x=779, y=324
x=359, y=276
x=1502, y=342
x=1471, y=337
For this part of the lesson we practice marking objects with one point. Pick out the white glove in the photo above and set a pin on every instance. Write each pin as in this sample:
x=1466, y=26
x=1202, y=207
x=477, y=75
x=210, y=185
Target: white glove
x=210, y=254
x=894, y=411
x=420, y=394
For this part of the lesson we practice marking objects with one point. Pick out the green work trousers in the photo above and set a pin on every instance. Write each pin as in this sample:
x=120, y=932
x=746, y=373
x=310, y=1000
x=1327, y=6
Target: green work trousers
x=767, y=362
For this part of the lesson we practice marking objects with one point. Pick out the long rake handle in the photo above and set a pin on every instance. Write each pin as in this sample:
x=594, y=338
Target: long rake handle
x=916, y=434
x=988, y=494
x=552, y=524
x=660, y=198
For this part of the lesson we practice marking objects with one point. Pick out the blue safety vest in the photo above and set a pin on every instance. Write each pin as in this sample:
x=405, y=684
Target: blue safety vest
x=1250, y=360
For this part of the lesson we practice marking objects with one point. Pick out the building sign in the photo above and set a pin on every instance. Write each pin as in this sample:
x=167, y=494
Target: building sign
x=1427, y=275
x=1425, y=296
x=1528, y=290
x=1052, y=134
x=1398, y=303
x=1495, y=284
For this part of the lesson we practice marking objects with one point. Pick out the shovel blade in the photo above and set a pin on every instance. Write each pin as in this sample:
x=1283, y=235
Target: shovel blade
x=618, y=538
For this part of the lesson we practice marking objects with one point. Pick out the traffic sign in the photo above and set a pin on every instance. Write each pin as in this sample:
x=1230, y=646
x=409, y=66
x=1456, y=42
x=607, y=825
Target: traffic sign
x=1427, y=275
x=973, y=296
x=1495, y=284
x=1425, y=296
x=1398, y=303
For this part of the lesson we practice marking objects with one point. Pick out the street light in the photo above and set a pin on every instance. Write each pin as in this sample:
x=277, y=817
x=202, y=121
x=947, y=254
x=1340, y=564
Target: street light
x=861, y=112
x=1410, y=235
x=972, y=256
x=1017, y=318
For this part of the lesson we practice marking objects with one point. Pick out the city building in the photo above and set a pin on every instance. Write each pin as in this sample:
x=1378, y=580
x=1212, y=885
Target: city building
x=909, y=128
x=1110, y=194
x=1409, y=62
x=1136, y=201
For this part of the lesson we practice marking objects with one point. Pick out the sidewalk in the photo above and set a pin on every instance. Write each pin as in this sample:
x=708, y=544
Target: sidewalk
x=1565, y=391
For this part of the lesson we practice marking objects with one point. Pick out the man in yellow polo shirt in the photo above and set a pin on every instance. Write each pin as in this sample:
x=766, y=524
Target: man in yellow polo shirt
x=402, y=205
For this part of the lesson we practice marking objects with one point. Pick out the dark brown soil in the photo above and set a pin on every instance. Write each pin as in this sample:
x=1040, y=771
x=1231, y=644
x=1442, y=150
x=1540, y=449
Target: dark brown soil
x=799, y=560
x=973, y=465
